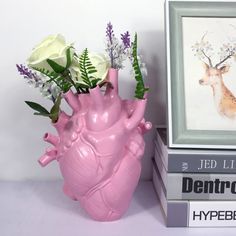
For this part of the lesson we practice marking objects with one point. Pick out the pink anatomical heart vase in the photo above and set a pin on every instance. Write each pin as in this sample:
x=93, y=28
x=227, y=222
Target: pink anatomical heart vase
x=99, y=148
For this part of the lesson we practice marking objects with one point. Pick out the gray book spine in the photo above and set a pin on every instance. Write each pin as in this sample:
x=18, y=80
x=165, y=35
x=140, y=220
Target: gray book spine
x=197, y=186
x=194, y=213
x=200, y=186
x=202, y=163
x=194, y=161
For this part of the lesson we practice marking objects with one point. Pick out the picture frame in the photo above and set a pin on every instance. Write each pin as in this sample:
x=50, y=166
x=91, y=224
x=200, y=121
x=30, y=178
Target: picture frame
x=196, y=37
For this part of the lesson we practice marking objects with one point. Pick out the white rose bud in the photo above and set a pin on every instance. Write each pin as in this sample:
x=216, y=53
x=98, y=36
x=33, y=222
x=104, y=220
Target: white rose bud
x=101, y=63
x=53, y=48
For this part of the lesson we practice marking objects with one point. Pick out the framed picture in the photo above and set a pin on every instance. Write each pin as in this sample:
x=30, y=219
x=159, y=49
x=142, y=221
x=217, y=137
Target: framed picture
x=201, y=55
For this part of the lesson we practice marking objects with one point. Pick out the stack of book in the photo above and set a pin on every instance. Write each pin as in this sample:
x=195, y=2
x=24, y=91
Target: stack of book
x=196, y=188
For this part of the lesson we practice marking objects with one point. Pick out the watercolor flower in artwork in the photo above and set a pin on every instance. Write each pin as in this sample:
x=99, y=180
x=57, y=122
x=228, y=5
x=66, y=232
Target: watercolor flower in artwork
x=55, y=67
x=202, y=49
x=205, y=52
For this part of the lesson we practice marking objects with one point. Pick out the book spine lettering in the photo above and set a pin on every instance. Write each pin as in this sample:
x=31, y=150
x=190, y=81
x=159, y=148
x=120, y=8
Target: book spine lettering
x=201, y=186
x=201, y=163
x=212, y=214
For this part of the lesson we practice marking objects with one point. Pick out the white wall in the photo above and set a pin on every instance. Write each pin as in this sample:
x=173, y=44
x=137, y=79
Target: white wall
x=23, y=24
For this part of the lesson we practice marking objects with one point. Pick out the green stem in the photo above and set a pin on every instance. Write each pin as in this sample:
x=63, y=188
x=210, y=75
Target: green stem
x=57, y=83
x=66, y=75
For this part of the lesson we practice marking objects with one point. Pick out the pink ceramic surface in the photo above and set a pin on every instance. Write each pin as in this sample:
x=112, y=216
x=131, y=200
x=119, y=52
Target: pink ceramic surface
x=99, y=148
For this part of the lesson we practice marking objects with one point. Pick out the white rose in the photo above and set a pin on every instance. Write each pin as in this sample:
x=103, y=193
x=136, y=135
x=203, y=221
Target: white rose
x=101, y=63
x=54, y=48
x=98, y=60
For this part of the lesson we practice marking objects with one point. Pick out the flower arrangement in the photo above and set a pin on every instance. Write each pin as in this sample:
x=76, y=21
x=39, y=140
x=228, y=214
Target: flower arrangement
x=100, y=145
x=55, y=67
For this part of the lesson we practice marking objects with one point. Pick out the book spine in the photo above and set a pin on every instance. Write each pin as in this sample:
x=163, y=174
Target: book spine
x=200, y=186
x=201, y=163
x=196, y=162
x=194, y=213
x=212, y=214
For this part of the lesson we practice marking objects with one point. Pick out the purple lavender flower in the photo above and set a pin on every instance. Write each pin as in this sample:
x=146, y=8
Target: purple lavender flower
x=47, y=89
x=126, y=39
x=118, y=50
x=109, y=32
x=110, y=35
x=26, y=72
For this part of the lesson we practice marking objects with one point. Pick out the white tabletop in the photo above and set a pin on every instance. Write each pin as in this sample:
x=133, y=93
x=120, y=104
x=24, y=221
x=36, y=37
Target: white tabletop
x=34, y=208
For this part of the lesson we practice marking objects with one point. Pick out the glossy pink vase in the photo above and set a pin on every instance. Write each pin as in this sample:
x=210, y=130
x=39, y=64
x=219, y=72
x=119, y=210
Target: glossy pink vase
x=99, y=149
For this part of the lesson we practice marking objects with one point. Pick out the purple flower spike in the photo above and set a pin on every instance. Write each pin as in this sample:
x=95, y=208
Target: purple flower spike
x=109, y=32
x=26, y=72
x=126, y=39
x=118, y=50
x=47, y=89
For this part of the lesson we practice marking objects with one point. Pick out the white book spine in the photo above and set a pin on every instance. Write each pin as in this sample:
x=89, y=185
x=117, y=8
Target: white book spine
x=212, y=214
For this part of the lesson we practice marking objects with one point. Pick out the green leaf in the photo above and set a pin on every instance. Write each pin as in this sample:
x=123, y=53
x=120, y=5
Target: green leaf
x=37, y=107
x=41, y=114
x=79, y=85
x=55, y=66
x=94, y=82
x=90, y=67
x=68, y=58
x=54, y=112
x=87, y=69
x=57, y=78
x=140, y=87
x=92, y=71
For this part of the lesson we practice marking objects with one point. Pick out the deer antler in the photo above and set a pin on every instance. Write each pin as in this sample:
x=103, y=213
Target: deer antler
x=202, y=42
x=209, y=59
x=231, y=53
x=201, y=48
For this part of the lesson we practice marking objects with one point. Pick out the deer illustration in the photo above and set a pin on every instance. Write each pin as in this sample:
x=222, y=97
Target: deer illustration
x=224, y=99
